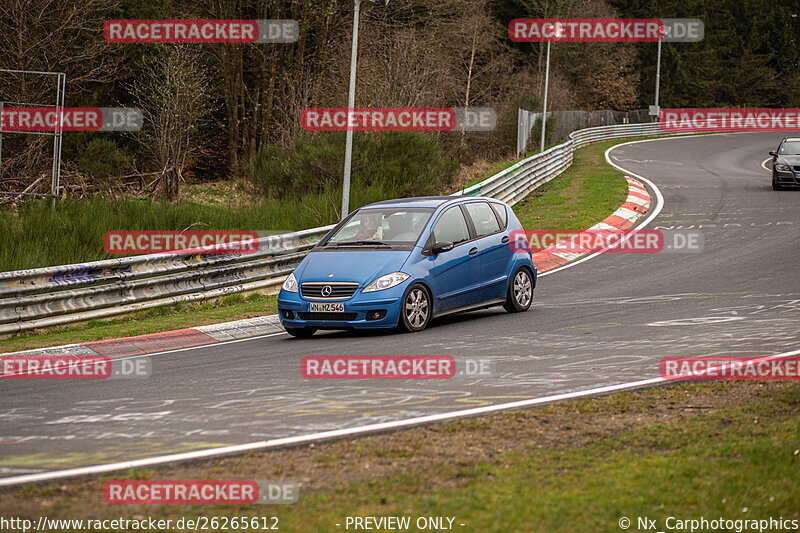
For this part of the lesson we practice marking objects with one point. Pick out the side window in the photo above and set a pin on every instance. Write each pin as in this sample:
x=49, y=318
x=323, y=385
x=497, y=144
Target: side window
x=483, y=218
x=501, y=214
x=451, y=227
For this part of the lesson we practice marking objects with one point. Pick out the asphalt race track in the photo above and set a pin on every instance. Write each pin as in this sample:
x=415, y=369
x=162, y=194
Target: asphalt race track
x=605, y=321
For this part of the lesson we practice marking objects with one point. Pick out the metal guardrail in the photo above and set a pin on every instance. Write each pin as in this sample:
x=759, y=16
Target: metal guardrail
x=62, y=294
x=516, y=182
x=57, y=295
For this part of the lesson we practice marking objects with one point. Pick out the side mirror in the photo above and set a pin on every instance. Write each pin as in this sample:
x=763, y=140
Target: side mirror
x=773, y=154
x=443, y=246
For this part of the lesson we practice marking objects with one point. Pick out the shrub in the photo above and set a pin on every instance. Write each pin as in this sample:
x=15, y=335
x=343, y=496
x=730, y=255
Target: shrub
x=103, y=159
x=398, y=163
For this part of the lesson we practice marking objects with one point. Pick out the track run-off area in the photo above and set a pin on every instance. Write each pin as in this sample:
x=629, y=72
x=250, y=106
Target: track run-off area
x=597, y=325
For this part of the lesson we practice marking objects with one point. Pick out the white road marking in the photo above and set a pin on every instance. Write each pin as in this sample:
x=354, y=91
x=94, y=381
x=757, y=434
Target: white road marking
x=764, y=164
x=302, y=439
x=153, y=354
x=659, y=205
x=703, y=320
x=348, y=432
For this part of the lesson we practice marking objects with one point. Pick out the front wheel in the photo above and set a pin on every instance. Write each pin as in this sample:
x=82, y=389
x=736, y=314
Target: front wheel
x=520, y=292
x=415, y=310
x=775, y=186
x=300, y=333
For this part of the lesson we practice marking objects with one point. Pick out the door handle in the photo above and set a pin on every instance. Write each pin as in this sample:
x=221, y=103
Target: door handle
x=505, y=240
x=473, y=251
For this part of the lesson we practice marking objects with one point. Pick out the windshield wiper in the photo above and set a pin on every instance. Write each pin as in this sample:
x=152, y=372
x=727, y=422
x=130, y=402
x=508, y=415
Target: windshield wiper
x=360, y=243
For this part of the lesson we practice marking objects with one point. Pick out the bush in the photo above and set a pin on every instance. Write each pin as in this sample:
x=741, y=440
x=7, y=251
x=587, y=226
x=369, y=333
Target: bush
x=507, y=121
x=103, y=159
x=397, y=163
x=303, y=188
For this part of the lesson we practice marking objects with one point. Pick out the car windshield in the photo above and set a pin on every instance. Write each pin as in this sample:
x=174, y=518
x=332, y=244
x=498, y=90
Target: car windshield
x=790, y=148
x=377, y=227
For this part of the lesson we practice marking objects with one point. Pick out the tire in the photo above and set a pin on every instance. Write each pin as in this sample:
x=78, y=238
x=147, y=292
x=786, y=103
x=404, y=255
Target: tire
x=416, y=309
x=520, y=292
x=301, y=333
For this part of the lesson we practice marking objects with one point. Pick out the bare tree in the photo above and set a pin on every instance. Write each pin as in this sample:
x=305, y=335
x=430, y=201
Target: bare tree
x=174, y=95
x=53, y=36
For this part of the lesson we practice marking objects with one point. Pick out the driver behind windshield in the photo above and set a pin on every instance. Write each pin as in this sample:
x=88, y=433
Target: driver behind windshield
x=371, y=229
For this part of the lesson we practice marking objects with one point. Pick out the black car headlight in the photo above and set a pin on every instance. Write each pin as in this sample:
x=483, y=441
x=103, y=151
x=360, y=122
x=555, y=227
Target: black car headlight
x=780, y=167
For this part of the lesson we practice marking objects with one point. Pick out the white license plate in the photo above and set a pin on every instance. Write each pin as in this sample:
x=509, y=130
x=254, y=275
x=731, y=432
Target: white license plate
x=327, y=307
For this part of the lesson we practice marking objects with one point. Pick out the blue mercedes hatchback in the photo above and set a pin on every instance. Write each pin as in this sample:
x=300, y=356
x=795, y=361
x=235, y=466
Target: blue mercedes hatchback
x=401, y=263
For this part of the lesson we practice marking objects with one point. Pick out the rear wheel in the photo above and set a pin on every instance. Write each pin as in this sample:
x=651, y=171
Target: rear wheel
x=301, y=333
x=415, y=311
x=520, y=292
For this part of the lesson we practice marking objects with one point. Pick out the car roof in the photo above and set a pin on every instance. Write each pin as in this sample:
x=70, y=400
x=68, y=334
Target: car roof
x=424, y=201
x=791, y=139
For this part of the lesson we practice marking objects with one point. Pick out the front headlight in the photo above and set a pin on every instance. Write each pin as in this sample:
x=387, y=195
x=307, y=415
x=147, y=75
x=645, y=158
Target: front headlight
x=290, y=285
x=386, y=282
x=782, y=168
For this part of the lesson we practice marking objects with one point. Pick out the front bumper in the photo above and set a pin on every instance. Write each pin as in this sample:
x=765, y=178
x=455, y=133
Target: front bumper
x=786, y=179
x=294, y=312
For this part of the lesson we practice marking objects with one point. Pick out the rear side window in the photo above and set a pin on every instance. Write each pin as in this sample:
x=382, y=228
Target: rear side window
x=483, y=218
x=501, y=214
x=451, y=227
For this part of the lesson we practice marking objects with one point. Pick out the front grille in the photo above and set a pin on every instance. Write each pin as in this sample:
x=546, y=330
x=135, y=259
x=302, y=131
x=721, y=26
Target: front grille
x=328, y=316
x=338, y=290
x=796, y=167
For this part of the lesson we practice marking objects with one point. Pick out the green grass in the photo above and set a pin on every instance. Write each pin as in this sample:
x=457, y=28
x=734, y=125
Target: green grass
x=708, y=450
x=289, y=189
x=737, y=463
x=37, y=237
x=584, y=194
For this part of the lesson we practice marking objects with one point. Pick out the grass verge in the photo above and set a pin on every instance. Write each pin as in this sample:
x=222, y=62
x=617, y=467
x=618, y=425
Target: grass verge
x=584, y=194
x=724, y=449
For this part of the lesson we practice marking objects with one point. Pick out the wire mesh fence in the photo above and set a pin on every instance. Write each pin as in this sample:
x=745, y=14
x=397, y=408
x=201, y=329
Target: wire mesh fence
x=561, y=123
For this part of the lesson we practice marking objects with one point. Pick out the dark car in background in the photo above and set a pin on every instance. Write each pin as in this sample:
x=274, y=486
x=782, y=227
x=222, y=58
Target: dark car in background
x=786, y=164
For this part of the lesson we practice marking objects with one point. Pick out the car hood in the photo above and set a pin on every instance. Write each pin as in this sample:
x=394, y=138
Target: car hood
x=350, y=265
x=789, y=159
